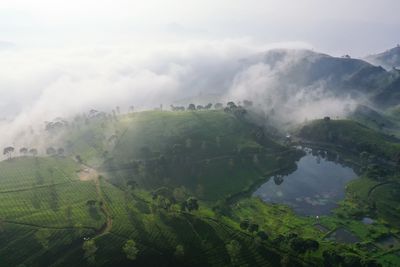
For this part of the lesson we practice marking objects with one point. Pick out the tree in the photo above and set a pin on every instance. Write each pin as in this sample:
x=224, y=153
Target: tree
x=8, y=151
x=253, y=227
x=179, y=252
x=89, y=247
x=244, y=224
x=33, y=151
x=60, y=151
x=191, y=107
x=332, y=258
x=302, y=245
x=42, y=236
x=78, y=158
x=50, y=151
x=233, y=249
x=130, y=249
x=192, y=204
x=23, y=151
x=208, y=106
x=231, y=105
x=180, y=193
x=262, y=235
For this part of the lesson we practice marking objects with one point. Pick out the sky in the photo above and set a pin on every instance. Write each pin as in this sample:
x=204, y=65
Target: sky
x=357, y=27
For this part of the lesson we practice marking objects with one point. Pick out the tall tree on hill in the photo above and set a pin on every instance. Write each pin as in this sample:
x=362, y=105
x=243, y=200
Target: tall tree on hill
x=60, y=151
x=90, y=250
x=231, y=105
x=33, y=151
x=130, y=249
x=191, y=107
x=233, y=248
x=50, y=151
x=8, y=151
x=23, y=151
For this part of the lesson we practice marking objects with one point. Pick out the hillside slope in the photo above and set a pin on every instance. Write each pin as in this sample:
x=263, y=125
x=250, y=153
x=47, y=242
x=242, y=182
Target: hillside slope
x=388, y=59
x=213, y=154
x=353, y=136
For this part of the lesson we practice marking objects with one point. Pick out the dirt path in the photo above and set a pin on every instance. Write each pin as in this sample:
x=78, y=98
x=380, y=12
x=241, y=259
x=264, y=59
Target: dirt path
x=108, y=224
x=88, y=173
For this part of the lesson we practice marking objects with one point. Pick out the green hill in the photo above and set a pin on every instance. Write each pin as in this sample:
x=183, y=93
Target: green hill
x=352, y=136
x=213, y=154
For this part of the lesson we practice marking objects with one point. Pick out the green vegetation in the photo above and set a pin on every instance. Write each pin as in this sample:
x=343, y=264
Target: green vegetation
x=213, y=154
x=353, y=136
x=173, y=189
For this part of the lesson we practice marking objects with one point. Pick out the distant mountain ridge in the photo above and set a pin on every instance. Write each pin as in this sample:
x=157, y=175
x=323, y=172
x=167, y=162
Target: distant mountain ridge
x=343, y=77
x=389, y=59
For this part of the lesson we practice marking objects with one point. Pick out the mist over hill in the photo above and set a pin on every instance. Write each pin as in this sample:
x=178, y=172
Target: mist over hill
x=389, y=59
x=287, y=85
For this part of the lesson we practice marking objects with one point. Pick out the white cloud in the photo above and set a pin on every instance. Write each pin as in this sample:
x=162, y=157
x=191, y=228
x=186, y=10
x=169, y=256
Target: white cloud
x=285, y=100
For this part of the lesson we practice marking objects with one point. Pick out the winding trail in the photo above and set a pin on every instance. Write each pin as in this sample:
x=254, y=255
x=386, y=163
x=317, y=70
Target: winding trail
x=90, y=174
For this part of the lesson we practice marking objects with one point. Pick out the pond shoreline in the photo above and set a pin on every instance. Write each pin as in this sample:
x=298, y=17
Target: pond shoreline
x=314, y=187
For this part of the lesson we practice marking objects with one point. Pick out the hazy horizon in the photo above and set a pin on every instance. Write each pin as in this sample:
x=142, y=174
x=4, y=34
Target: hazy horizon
x=340, y=27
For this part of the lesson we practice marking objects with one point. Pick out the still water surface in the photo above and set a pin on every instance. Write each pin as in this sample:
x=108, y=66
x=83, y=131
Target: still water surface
x=313, y=189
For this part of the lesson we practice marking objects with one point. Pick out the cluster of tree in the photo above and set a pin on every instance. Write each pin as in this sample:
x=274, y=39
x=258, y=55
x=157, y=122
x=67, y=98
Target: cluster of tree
x=165, y=198
x=221, y=207
x=230, y=107
x=237, y=110
x=253, y=227
x=96, y=114
x=248, y=225
x=89, y=247
x=51, y=151
x=23, y=151
x=190, y=204
x=233, y=248
x=301, y=245
x=57, y=124
x=193, y=107
x=376, y=172
x=177, y=108
x=130, y=249
x=298, y=244
x=333, y=258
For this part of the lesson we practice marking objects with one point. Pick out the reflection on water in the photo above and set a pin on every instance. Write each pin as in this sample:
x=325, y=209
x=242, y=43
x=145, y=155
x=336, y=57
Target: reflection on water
x=313, y=189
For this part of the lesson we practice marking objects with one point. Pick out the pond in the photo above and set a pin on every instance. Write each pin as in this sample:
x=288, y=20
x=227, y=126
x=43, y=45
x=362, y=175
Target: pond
x=313, y=189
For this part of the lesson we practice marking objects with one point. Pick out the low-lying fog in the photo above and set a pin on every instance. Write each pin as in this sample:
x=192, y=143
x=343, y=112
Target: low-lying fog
x=40, y=85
